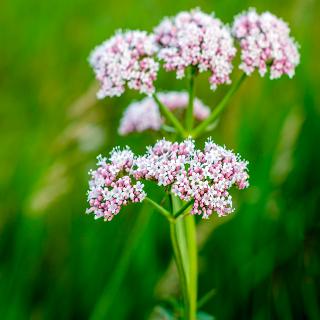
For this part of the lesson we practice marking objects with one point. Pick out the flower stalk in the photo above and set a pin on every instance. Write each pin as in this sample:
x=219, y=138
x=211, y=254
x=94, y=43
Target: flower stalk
x=219, y=108
x=160, y=209
x=170, y=116
x=180, y=256
x=191, y=241
x=183, y=230
x=182, y=210
x=189, y=113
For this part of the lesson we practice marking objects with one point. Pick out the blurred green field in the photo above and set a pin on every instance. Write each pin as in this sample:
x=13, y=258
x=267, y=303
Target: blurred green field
x=58, y=263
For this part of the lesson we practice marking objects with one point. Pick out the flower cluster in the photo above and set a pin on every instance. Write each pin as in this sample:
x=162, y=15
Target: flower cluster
x=125, y=59
x=209, y=176
x=203, y=176
x=196, y=39
x=143, y=115
x=265, y=41
x=111, y=185
x=193, y=39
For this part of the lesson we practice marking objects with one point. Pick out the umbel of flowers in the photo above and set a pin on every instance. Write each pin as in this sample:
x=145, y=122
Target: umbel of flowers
x=264, y=40
x=125, y=59
x=194, y=39
x=200, y=180
x=201, y=177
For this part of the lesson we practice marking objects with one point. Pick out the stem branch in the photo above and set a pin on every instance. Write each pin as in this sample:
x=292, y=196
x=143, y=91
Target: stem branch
x=189, y=113
x=162, y=210
x=170, y=116
x=206, y=298
x=219, y=108
x=183, y=208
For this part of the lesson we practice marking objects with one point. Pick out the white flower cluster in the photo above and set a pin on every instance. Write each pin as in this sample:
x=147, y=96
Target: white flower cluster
x=196, y=39
x=125, y=59
x=203, y=176
x=265, y=41
x=111, y=185
x=145, y=115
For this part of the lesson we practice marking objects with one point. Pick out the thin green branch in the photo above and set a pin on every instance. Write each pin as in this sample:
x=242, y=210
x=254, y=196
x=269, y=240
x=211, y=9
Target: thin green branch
x=162, y=210
x=206, y=298
x=171, y=203
x=219, y=108
x=170, y=116
x=183, y=208
x=189, y=112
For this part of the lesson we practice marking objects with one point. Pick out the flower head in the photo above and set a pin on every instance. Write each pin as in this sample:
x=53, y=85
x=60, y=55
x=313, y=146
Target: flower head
x=125, y=59
x=163, y=162
x=111, y=185
x=196, y=39
x=208, y=177
x=144, y=114
x=265, y=41
x=204, y=176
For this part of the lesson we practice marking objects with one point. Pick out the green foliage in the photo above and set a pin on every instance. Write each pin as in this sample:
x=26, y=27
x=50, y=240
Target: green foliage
x=58, y=263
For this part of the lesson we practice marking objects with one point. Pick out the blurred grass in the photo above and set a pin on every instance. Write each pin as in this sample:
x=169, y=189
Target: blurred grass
x=56, y=262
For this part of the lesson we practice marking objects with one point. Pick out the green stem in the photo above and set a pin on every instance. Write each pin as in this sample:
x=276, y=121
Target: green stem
x=190, y=233
x=169, y=116
x=183, y=208
x=216, y=111
x=207, y=297
x=189, y=113
x=176, y=245
x=162, y=210
x=187, y=246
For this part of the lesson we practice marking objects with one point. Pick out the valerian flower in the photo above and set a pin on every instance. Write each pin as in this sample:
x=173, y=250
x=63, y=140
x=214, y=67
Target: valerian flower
x=265, y=42
x=111, y=186
x=203, y=176
x=199, y=40
x=125, y=59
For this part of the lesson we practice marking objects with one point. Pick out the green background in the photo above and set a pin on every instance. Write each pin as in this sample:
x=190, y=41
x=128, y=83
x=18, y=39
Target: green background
x=58, y=263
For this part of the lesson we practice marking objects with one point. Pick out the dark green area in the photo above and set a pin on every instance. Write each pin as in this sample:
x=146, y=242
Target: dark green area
x=58, y=263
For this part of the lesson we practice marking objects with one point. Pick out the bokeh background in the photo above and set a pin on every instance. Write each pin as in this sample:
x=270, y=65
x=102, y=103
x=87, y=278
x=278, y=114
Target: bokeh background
x=58, y=263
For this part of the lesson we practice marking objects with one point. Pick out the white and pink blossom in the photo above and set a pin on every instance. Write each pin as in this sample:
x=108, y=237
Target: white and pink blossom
x=265, y=42
x=203, y=176
x=196, y=39
x=111, y=186
x=126, y=59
